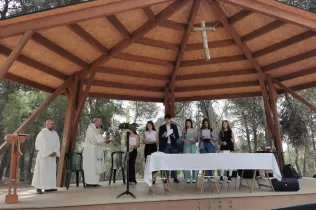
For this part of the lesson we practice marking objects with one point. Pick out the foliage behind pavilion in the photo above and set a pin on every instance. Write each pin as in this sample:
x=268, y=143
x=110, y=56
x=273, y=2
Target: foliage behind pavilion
x=145, y=50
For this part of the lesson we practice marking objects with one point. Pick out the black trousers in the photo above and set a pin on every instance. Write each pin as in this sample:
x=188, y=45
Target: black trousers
x=131, y=165
x=149, y=149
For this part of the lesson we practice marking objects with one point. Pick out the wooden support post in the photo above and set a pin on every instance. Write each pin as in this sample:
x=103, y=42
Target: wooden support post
x=277, y=133
x=172, y=101
x=5, y=67
x=167, y=99
x=68, y=132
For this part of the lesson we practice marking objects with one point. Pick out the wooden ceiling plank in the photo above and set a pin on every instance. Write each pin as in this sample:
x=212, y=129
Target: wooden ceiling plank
x=244, y=72
x=262, y=30
x=129, y=73
x=290, y=60
x=41, y=40
x=119, y=85
x=295, y=95
x=150, y=14
x=75, y=16
x=143, y=59
x=275, y=12
x=217, y=86
x=211, y=44
x=119, y=26
x=173, y=25
x=158, y=43
x=83, y=34
x=217, y=97
x=125, y=97
x=224, y=59
x=34, y=64
x=280, y=45
x=299, y=73
x=5, y=67
x=239, y=16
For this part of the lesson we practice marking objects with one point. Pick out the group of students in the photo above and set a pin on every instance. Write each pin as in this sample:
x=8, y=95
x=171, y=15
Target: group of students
x=168, y=140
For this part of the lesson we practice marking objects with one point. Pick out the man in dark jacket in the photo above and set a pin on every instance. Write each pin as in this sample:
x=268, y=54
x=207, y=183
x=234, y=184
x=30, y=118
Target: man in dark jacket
x=168, y=136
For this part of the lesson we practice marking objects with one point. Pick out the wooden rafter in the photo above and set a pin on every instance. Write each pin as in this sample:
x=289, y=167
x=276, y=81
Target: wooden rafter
x=217, y=86
x=5, y=67
x=300, y=73
x=211, y=44
x=120, y=85
x=295, y=95
x=39, y=39
x=83, y=34
x=285, y=43
x=224, y=59
x=184, y=42
x=239, y=16
x=274, y=9
x=125, y=97
x=34, y=64
x=173, y=25
x=119, y=26
x=290, y=60
x=150, y=14
x=234, y=34
x=75, y=16
x=143, y=59
x=158, y=43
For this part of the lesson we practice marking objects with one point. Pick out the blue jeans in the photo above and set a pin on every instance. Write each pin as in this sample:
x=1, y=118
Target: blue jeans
x=208, y=148
x=170, y=150
x=189, y=148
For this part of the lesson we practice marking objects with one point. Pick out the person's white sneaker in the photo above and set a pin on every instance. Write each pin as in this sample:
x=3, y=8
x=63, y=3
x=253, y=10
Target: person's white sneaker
x=188, y=181
x=193, y=180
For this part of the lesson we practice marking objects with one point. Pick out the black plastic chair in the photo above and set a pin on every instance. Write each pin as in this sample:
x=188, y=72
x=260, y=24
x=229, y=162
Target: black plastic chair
x=117, y=162
x=74, y=164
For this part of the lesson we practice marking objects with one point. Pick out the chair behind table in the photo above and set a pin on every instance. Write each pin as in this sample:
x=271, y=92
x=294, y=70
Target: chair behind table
x=117, y=162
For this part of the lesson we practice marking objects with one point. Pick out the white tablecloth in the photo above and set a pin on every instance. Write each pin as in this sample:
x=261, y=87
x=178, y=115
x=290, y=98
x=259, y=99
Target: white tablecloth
x=211, y=161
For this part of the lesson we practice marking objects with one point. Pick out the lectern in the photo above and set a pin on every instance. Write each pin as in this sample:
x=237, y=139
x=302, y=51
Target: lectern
x=15, y=140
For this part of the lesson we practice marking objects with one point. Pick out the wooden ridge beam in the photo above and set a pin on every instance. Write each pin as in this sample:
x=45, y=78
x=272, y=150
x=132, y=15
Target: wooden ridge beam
x=211, y=44
x=83, y=34
x=217, y=60
x=184, y=42
x=34, y=64
x=290, y=60
x=125, y=97
x=41, y=40
x=300, y=73
x=130, y=73
x=29, y=83
x=274, y=9
x=5, y=67
x=119, y=26
x=247, y=53
x=295, y=95
x=126, y=86
x=150, y=14
x=143, y=59
x=242, y=72
x=74, y=16
x=285, y=43
x=263, y=30
x=158, y=43
x=217, y=97
x=217, y=86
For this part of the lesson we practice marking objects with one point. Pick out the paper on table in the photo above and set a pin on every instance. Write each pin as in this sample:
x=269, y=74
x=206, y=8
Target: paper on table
x=169, y=132
x=206, y=134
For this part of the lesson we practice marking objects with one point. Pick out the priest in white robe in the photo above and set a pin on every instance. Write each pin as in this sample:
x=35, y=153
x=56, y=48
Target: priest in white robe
x=48, y=146
x=93, y=153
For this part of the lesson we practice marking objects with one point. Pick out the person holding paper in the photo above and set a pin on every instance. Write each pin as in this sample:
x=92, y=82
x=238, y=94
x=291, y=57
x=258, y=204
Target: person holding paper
x=189, y=138
x=151, y=139
x=208, y=141
x=134, y=143
x=227, y=142
x=168, y=136
x=48, y=146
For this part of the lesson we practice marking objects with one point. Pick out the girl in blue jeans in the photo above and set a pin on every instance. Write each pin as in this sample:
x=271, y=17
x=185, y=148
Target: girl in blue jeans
x=208, y=141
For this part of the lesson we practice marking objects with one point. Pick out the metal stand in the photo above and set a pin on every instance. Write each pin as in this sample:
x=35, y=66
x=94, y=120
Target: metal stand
x=127, y=192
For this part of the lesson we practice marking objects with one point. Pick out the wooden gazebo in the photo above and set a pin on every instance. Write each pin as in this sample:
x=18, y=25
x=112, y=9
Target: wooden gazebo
x=146, y=50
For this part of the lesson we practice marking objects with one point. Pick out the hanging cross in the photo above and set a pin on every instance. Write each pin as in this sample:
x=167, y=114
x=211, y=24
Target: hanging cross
x=204, y=29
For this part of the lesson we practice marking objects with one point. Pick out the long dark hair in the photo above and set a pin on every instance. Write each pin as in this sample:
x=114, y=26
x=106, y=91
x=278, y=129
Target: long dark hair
x=208, y=125
x=152, y=124
x=228, y=127
x=185, y=124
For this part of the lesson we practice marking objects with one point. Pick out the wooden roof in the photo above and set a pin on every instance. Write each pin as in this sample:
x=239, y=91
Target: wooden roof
x=133, y=48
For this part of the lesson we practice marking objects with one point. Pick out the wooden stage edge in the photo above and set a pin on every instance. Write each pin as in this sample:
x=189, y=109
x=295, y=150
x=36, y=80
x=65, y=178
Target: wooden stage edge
x=184, y=197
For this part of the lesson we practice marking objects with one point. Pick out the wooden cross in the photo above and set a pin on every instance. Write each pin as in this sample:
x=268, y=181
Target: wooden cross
x=204, y=29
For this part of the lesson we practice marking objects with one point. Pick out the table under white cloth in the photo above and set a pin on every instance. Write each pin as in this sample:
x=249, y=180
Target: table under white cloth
x=159, y=161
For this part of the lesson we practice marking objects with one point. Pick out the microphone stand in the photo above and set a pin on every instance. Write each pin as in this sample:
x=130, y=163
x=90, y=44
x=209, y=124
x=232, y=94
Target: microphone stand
x=127, y=192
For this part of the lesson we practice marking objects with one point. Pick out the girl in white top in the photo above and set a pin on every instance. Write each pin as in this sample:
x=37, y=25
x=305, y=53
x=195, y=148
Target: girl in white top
x=151, y=139
x=134, y=143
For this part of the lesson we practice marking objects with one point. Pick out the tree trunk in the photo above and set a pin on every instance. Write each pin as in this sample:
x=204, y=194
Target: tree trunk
x=255, y=136
x=266, y=132
x=314, y=147
x=247, y=131
x=305, y=156
x=4, y=161
x=297, y=161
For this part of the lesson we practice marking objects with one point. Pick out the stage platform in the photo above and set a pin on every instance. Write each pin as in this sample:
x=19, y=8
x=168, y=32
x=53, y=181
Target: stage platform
x=184, y=197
